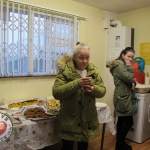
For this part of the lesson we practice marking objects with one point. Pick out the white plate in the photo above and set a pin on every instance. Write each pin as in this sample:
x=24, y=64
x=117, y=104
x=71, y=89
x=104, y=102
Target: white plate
x=51, y=113
x=142, y=86
x=14, y=109
x=36, y=119
x=15, y=120
x=100, y=105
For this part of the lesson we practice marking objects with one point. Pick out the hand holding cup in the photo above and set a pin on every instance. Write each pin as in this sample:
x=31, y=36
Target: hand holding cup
x=85, y=82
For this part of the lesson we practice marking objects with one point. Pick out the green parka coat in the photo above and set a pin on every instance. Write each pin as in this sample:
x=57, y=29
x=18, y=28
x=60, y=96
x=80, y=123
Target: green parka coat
x=123, y=98
x=77, y=118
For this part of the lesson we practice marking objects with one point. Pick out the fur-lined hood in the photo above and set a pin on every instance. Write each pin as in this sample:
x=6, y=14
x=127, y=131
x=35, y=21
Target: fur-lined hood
x=113, y=64
x=62, y=60
x=67, y=60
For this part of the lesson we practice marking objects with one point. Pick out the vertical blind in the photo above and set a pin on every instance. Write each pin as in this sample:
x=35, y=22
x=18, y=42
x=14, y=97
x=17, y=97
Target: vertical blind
x=32, y=39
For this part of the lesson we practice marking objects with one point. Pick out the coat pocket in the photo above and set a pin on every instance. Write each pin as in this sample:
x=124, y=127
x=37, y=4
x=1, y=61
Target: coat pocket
x=69, y=122
x=92, y=114
x=123, y=103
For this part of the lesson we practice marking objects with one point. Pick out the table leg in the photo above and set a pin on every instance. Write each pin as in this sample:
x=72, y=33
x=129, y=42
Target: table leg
x=102, y=139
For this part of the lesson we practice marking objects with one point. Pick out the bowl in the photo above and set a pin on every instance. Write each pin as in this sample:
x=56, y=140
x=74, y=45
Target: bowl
x=52, y=105
x=142, y=90
x=100, y=105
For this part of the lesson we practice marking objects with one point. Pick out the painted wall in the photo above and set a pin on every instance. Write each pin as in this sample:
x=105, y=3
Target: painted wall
x=140, y=21
x=91, y=32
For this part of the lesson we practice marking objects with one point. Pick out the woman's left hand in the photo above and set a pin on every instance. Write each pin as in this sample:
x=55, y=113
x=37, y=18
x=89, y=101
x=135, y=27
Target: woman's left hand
x=133, y=86
x=88, y=89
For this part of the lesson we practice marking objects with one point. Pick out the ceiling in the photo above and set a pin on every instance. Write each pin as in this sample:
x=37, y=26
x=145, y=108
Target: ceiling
x=117, y=6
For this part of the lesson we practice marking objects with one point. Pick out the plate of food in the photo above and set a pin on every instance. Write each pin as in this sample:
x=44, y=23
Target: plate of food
x=52, y=105
x=36, y=113
x=25, y=103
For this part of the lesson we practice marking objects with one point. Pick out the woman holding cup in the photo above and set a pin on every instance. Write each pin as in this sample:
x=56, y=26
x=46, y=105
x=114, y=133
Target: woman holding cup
x=77, y=86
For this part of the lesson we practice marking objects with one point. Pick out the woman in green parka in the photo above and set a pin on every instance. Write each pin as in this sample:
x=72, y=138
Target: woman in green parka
x=77, y=86
x=123, y=76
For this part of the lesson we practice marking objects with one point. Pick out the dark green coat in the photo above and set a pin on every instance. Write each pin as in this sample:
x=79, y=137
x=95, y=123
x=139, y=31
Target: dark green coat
x=77, y=119
x=123, y=95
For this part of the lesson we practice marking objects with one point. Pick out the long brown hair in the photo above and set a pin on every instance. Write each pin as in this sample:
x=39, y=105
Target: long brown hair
x=125, y=51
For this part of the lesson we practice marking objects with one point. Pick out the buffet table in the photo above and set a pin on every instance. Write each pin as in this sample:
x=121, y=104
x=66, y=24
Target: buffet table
x=33, y=135
x=105, y=116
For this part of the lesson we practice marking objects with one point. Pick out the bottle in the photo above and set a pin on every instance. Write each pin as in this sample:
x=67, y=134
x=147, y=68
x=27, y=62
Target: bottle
x=135, y=66
x=147, y=79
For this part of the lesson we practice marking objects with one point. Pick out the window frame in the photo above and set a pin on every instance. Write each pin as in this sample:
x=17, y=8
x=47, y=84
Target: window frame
x=30, y=45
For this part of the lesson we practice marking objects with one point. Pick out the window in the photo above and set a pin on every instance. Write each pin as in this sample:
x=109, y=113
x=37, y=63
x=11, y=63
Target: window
x=32, y=39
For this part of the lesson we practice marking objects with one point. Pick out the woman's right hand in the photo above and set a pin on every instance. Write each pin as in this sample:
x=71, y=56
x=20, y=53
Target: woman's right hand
x=85, y=82
x=88, y=89
x=128, y=62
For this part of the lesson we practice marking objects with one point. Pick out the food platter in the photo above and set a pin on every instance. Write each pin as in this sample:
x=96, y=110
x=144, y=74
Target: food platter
x=52, y=105
x=36, y=118
x=23, y=103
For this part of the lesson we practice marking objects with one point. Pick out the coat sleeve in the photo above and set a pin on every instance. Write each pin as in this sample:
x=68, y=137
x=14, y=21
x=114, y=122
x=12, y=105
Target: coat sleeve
x=125, y=73
x=99, y=88
x=63, y=89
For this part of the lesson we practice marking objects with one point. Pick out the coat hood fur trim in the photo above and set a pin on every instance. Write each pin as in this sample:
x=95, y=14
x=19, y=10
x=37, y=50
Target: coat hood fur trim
x=113, y=64
x=62, y=60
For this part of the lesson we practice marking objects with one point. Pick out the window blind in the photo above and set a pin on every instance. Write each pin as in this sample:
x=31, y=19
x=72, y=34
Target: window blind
x=33, y=38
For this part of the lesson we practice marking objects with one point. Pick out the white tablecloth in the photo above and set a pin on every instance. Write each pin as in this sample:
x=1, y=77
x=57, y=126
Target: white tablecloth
x=31, y=135
x=105, y=116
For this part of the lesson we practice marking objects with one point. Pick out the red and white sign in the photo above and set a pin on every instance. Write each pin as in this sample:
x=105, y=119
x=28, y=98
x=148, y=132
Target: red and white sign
x=5, y=127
